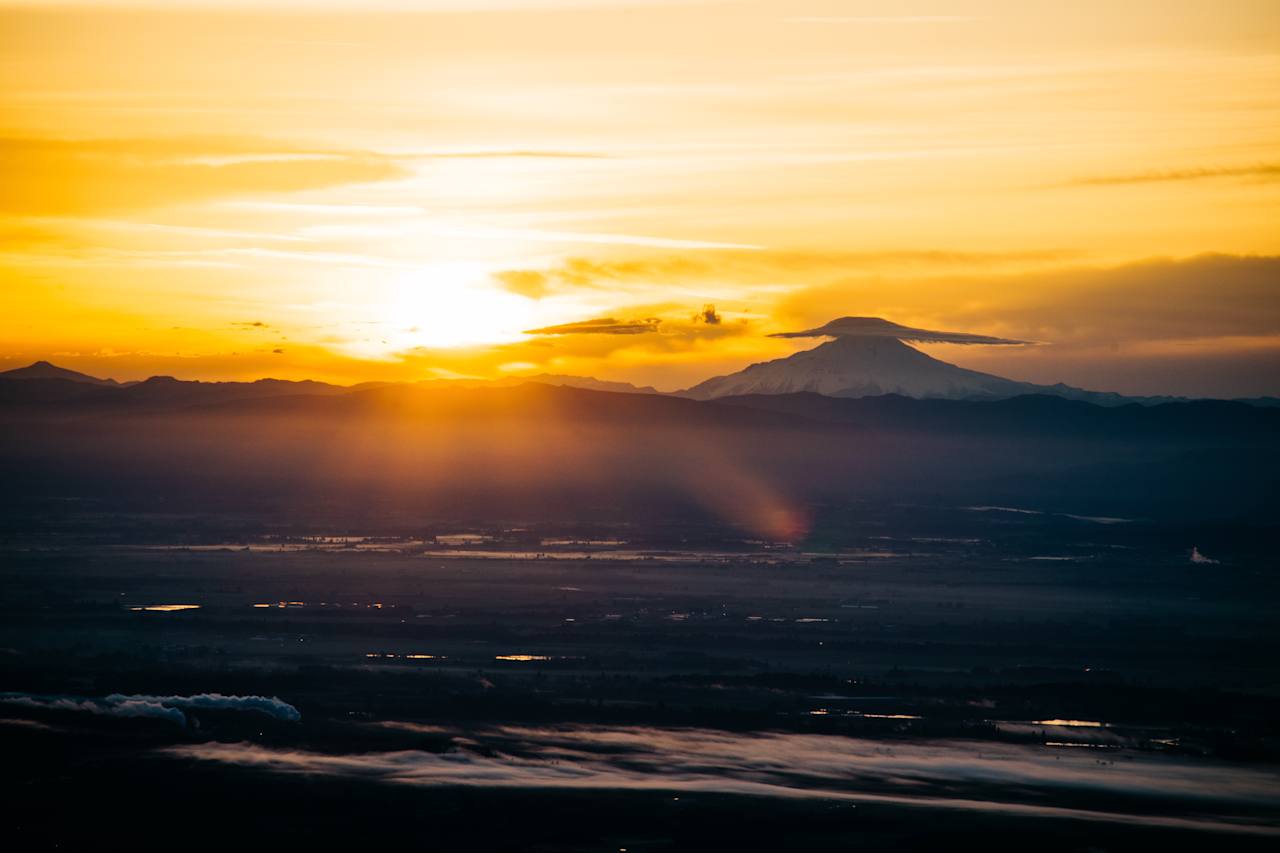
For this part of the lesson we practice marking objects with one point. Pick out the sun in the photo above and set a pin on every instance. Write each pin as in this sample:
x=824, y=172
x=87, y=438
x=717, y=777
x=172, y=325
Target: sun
x=451, y=304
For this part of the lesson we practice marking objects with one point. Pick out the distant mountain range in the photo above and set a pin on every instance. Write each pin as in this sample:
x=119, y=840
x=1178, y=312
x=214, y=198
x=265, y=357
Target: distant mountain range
x=862, y=417
x=58, y=383
x=868, y=357
x=45, y=370
x=588, y=383
x=764, y=462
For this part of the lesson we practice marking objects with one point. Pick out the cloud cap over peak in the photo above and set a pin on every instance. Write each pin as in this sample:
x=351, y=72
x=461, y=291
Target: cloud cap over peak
x=878, y=327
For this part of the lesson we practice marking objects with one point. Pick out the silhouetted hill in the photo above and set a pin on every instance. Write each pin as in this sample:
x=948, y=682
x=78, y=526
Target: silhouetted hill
x=279, y=449
x=1041, y=415
x=589, y=383
x=45, y=370
x=527, y=403
x=167, y=392
x=1034, y=414
x=157, y=393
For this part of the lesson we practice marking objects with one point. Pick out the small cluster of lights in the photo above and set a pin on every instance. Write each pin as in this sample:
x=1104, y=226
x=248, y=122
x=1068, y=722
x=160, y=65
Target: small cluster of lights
x=414, y=656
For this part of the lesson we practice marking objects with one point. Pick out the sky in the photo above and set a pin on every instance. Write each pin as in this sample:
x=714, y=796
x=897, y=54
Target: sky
x=640, y=191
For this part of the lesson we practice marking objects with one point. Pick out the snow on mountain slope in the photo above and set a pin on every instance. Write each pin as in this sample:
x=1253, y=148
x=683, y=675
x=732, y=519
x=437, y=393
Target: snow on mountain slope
x=868, y=358
x=860, y=367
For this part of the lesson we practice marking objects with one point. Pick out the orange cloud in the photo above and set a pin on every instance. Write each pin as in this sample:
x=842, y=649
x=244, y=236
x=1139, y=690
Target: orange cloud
x=601, y=326
x=56, y=177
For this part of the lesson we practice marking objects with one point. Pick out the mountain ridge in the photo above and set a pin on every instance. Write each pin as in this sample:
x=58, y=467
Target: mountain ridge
x=46, y=383
x=535, y=450
x=48, y=370
x=532, y=403
x=44, y=370
x=857, y=365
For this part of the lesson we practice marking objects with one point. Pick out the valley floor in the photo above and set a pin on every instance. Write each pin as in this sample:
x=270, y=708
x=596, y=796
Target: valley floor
x=1068, y=683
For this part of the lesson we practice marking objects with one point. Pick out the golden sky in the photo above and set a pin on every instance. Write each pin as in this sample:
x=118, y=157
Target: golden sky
x=401, y=190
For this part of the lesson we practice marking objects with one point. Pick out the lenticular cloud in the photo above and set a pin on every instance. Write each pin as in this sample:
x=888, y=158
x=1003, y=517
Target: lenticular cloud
x=877, y=327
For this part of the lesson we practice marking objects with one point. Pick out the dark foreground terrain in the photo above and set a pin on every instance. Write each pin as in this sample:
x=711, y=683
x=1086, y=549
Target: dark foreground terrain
x=288, y=616
x=905, y=677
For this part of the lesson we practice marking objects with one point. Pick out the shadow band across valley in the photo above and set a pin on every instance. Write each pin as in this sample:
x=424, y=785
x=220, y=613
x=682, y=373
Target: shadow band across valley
x=548, y=453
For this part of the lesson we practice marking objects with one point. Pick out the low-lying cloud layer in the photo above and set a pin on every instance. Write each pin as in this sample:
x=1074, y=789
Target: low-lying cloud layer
x=987, y=777
x=160, y=707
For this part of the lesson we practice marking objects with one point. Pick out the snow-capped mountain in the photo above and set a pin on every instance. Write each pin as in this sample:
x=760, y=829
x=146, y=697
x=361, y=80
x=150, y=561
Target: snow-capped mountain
x=868, y=358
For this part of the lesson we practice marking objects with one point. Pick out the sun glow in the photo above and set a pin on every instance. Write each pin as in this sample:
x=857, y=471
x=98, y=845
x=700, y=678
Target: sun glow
x=446, y=305
x=396, y=196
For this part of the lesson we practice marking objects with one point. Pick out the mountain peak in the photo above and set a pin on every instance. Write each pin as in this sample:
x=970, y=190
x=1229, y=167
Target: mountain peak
x=860, y=366
x=47, y=370
x=870, y=365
